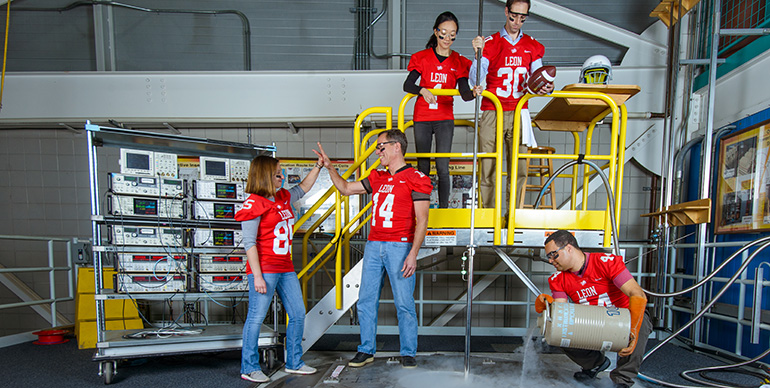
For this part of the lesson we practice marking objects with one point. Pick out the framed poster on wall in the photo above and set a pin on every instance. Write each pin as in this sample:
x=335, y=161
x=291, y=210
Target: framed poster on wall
x=295, y=171
x=743, y=190
x=460, y=185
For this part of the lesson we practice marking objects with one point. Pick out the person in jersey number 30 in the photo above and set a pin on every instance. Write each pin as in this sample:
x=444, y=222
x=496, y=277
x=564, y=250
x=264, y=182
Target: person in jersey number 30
x=598, y=279
x=400, y=201
x=267, y=221
x=508, y=58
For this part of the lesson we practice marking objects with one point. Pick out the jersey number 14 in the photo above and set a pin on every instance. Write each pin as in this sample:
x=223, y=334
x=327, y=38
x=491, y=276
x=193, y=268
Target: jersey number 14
x=383, y=212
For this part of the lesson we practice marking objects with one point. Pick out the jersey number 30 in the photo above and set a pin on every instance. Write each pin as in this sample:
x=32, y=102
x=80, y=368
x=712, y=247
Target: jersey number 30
x=512, y=79
x=383, y=211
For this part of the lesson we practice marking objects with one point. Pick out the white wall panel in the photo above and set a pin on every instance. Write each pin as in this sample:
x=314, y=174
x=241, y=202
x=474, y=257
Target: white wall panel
x=240, y=97
x=742, y=92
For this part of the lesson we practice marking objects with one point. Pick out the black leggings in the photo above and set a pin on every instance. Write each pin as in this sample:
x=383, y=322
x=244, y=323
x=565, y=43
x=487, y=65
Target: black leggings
x=423, y=138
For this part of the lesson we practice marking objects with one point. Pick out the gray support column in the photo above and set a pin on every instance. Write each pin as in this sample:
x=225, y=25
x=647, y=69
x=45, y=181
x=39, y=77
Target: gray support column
x=394, y=33
x=706, y=167
x=104, y=36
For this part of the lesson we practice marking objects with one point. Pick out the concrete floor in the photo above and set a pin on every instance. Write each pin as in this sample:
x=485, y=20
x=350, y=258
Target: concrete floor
x=443, y=370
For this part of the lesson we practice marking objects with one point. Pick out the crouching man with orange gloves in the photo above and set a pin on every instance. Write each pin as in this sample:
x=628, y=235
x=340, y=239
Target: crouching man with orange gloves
x=597, y=279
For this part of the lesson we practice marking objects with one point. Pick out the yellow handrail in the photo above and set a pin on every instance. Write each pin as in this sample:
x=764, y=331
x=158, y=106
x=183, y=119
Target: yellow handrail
x=306, y=241
x=589, y=143
x=358, y=161
x=343, y=234
x=498, y=154
x=617, y=136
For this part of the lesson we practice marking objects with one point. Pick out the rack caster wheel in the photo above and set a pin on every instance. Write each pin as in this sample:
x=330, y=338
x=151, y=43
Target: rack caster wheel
x=107, y=370
x=271, y=359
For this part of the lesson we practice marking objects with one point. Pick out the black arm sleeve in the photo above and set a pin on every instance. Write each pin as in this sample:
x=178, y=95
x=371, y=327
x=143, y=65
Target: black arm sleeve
x=465, y=89
x=410, y=85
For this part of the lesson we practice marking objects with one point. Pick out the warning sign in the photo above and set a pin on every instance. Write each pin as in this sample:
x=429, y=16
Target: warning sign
x=441, y=237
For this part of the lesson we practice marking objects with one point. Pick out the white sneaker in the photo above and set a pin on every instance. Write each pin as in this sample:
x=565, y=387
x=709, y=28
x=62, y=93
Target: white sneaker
x=257, y=376
x=304, y=370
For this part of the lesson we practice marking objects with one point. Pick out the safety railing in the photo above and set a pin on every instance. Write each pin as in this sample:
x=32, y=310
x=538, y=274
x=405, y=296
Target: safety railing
x=45, y=307
x=339, y=244
x=488, y=217
x=573, y=218
x=342, y=234
x=747, y=325
x=634, y=253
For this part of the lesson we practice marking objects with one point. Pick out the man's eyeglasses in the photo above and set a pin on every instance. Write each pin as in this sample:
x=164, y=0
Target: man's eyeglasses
x=443, y=34
x=381, y=146
x=553, y=255
x=512, y=16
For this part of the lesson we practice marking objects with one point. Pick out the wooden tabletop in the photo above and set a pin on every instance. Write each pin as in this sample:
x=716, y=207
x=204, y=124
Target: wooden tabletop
x=576, y=114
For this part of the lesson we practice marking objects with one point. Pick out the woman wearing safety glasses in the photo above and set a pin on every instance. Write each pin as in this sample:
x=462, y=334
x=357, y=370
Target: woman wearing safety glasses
x=437, y=67
x=267, y=221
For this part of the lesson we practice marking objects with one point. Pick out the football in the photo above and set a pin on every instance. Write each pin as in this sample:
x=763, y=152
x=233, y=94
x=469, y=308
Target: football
x=542, y=76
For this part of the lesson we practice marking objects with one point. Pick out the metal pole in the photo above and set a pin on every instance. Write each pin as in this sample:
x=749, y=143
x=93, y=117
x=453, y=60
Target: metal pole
x=471, y=242
x=98, y=256
x=706, y=156
x=52, y=285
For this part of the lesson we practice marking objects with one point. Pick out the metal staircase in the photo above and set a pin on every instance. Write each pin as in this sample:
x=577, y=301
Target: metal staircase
x=325, y=314
x=452, y=227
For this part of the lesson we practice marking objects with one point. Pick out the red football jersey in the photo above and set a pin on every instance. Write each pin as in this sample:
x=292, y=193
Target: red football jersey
x=276, y=228
x=597, y=286
x=509, y=67
x=437, y=75
x=392, y=204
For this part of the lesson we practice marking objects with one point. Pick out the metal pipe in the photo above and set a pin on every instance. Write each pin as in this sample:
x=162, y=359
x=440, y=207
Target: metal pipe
x=713, y=300
x=756, y=316
x=515, y=268
x=713, y=272
x=474, y=179
x=686, y=373
x=33, y=269
x=744, y=31
x=52, y=284
x=706, y=166
x=31, y=303
x=679, y=166
x=98, y=263
x=607, y=186
x=241, y=15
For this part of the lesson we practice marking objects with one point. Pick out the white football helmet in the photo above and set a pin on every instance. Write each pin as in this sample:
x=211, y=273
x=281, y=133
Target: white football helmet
x=597, y=69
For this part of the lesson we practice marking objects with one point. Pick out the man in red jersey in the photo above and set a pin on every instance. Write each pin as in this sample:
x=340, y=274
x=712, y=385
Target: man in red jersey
x=598, y=279
x=400, y=202
x=508, y=58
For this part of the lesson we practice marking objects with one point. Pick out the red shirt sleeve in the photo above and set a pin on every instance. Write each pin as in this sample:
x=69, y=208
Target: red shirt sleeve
x=490, y=47
x=557, y=288
x=420, y=182
x=464, y=66
x=539, y=49
x=615, y=266
x=415, y=62
x=254, y=206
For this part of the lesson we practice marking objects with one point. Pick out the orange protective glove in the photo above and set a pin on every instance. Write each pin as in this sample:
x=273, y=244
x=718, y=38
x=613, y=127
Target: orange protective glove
x=540, y=302
x=636, y=304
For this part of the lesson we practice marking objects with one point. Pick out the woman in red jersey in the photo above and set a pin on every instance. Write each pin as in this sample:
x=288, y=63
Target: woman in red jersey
x=267, y=221
x=437, y=67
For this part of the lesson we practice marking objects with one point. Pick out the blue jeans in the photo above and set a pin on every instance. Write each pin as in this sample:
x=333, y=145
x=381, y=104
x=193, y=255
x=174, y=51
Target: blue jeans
x=289, y=290
x=381, y=257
